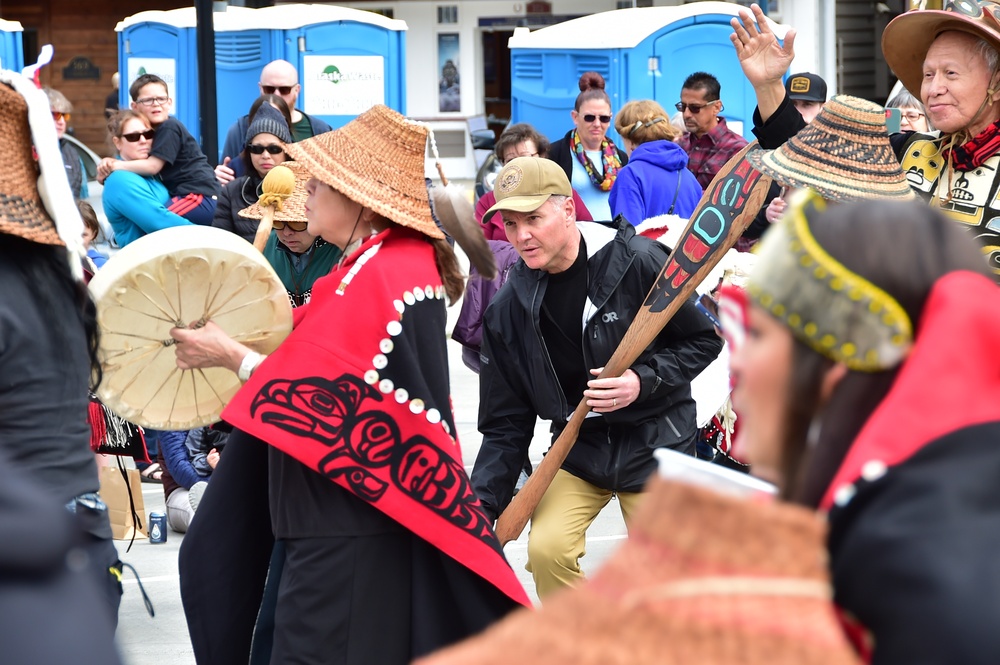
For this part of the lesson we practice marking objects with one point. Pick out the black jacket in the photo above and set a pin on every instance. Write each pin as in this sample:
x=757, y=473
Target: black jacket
x=237, y=195
x=561, y=152
x=518, y=383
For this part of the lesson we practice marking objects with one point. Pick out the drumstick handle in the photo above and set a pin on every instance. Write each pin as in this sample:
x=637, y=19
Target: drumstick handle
x=264, y=228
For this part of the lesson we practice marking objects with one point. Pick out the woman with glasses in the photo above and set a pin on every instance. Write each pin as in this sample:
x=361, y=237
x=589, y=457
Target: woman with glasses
x=264, y=148
x=61, y=109
x=589, y=158
x=135, y=204
x=912, y=116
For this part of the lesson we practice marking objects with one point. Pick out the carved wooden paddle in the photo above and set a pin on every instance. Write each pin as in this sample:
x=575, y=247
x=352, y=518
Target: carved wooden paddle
x=727, y=207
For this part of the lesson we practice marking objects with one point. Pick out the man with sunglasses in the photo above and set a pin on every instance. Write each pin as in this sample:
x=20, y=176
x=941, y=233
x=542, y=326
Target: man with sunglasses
x=278, y=77
x=708, y=142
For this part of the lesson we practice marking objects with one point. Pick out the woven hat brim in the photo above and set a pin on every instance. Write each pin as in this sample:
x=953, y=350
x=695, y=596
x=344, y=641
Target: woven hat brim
x=518, y=204
x=844, y=154
x=908, y=37
x=352, y=161
x=293, y=209
x=28, y=220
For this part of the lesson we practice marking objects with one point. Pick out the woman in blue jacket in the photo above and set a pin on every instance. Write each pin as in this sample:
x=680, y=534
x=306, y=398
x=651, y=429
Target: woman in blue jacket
x=135, y=204
x=656, y=180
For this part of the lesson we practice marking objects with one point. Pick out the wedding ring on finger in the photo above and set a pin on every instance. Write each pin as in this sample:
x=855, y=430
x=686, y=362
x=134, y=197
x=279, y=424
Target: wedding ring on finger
x=614, y=402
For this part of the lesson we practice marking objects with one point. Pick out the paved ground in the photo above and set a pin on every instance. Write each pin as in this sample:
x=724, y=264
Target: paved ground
x=163, y=640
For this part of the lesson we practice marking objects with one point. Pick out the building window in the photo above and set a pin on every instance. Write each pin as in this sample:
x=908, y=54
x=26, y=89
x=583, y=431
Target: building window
x=385, y=11
x=629, y=4
x=448, y=14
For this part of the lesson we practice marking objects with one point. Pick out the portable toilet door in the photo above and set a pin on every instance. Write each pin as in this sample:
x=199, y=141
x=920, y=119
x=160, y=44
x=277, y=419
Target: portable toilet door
x=11, y=46
x=240, y=55
x=701, y=44
x=348, y=59
x=162, y=43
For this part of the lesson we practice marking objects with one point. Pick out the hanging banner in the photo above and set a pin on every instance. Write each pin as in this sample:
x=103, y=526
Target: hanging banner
x=342, y=84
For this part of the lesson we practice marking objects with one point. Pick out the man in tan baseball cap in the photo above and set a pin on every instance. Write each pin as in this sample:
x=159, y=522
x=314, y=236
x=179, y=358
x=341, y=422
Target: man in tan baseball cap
x=564, y=310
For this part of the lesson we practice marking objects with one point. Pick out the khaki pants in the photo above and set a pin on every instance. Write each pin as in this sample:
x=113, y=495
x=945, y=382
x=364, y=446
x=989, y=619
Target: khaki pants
x=557, y=540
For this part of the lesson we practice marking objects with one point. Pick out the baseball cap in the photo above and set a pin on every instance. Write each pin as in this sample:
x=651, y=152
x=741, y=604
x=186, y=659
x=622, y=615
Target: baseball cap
x=807, y=87
x=525, y=183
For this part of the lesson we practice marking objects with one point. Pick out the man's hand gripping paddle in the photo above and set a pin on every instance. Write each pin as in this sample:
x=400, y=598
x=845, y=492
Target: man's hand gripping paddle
x=727, y=207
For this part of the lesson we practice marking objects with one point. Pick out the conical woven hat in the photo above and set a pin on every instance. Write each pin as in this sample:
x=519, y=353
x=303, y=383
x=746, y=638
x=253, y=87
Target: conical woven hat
x=908, y=37
x=293, y=209
x=844, y=154
x=21, y=210
x=377, y=160
x=703, y=578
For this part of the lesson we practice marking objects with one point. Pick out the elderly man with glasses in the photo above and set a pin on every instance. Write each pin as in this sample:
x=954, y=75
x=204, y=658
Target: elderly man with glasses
x=279, y=77
x=708, y=142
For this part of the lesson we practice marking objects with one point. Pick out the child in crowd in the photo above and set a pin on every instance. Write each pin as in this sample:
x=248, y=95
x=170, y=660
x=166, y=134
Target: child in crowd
x=175, y=157
x=91, y=232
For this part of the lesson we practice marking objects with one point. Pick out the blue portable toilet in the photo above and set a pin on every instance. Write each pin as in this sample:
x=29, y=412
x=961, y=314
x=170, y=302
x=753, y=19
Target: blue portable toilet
x=642, y=53
x=11, y=49
x=348, y=59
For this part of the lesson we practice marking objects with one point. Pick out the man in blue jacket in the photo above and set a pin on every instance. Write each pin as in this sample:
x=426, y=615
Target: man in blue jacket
x=552, y=327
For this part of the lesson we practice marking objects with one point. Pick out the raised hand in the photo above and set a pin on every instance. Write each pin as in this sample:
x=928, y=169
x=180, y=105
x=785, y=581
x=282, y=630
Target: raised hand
x=763, y=58
x=223, y=173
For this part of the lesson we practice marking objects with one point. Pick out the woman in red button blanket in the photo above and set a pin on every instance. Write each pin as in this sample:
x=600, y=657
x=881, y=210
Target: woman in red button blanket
x=868, y=386
x=349, y=426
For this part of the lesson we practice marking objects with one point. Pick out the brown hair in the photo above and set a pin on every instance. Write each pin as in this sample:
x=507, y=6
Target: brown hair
x=118, y=119
x=519, y=133
x=644, y=120
x=89, y=218
x=907, y=247
x=591, y=87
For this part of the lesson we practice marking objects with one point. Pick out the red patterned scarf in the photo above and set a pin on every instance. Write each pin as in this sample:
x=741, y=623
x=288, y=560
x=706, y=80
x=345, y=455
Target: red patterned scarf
x=609, y=159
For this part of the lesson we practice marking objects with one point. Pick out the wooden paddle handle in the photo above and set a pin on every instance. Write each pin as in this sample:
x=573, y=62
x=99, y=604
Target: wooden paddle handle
x=264, y=228
x=727, y=207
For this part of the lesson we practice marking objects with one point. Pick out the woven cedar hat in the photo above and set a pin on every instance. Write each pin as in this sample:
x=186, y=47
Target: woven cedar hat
x=908, y=37
x=703, y=578
x=21, y=210
x=293, y=209
x=844, y=154
x=376, y=160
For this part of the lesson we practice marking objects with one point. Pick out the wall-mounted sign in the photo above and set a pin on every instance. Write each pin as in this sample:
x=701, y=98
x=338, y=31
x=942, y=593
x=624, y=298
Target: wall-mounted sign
x=165, y=68
x=81, y=68
x=342, y=84
x=449, y=86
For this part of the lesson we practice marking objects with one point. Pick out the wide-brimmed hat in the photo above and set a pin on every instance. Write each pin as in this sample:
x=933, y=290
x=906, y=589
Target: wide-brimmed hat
x=293, y=208
x=844, y=154
x=376, y=160
x=21, y=210
x=525, y=183
x=703, y=578
x=908, y=37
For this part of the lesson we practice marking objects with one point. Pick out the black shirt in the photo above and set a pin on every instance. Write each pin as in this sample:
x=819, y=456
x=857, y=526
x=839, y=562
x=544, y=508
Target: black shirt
x=186, y=170
x=562, y=325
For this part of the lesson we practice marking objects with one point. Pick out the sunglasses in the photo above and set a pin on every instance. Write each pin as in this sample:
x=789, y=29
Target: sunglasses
x=694, y=108
x=57, y=116
x=132, y=137
x=280, y=89
x=298, y=227
x=272, y=149
x=590, y=117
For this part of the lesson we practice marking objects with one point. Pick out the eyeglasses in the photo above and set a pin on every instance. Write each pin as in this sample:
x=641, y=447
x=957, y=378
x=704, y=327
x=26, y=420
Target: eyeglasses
x=153, y=101
x=910, y=116
x=590, y=117
x=508, y=158
x=280, y=89
x=272, y=149
x=57, y=116
x=298, y=227
x=694, y=108
x=132, y=137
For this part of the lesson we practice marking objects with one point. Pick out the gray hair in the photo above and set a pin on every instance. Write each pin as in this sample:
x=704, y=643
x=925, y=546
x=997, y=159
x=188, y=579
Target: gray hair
x=989, y=53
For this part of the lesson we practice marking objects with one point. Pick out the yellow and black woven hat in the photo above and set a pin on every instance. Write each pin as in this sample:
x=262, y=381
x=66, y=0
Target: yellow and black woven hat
x=844, y=154
x=376, y=160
